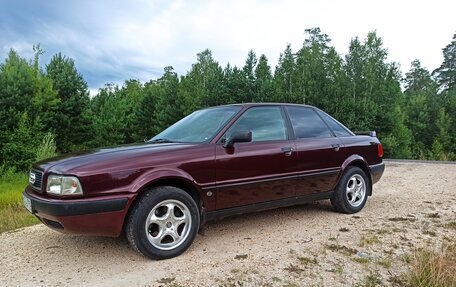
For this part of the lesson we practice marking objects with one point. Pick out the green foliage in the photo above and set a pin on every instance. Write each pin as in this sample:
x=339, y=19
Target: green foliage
x=263, y=81
x=47, y=148
x=19, y=149
x=27, y=108
x=429, y=116
x=446, y=73
x=12, y=212
x=70, y=124
x=43, y=113
x=169, y=106
x=112, y=115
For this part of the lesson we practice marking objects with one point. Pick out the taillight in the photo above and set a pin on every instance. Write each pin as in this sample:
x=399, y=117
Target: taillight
x=380, y=150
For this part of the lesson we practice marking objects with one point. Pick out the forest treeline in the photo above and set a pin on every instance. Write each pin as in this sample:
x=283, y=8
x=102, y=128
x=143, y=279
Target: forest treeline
x=47, y=109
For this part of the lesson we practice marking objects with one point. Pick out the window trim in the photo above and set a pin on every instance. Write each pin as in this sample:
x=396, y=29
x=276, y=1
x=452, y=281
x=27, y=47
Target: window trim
x=314, y=110
x=283, y=113
x=317, y=110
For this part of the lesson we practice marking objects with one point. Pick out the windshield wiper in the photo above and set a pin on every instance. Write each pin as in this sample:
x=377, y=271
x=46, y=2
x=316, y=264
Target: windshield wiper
x=161, y=141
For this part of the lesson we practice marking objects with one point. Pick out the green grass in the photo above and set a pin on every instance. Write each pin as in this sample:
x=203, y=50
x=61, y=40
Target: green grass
x=372, y=280
x=434, y=268
x=13, y=214
x=368, y=239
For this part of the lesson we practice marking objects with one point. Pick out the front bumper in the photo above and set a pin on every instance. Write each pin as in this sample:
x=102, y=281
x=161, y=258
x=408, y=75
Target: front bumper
x=101, y=216
x=377, y=171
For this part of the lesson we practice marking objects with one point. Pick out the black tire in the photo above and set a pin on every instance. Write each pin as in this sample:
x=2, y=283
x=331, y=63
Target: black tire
x=159, y=198
x=340, y=199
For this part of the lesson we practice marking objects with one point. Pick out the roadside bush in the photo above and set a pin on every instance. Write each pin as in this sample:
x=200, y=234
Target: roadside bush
x=432, y=268
x=47, y=148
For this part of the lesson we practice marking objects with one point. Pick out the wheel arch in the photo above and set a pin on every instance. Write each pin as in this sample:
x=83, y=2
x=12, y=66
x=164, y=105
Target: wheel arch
x=173, y=178
x=178, y=182
x=360, y=162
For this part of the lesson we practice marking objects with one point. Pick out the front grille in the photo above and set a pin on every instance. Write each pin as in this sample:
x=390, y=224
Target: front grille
x=36, y=179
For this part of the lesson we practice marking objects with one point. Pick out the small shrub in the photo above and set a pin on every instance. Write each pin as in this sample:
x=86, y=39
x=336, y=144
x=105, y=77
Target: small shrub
x=293, y=269
x=341, y=249
x=47, y=147
x=386, y=262
x=429, y=232
x=371, y=280
x=362, y=260
x=240, y=256
x=450, y=225
x=368, y=239
x=433, y=215
x=307, y=260
x=434, y=268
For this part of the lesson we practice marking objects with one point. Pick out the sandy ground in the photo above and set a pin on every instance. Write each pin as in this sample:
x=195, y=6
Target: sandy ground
x=308, y=245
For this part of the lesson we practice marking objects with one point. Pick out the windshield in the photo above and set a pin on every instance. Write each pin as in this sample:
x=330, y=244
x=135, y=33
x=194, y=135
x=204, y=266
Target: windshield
x=198, y=127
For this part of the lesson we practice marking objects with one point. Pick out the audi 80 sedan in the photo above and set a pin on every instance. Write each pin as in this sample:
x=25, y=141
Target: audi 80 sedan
x=214, y=163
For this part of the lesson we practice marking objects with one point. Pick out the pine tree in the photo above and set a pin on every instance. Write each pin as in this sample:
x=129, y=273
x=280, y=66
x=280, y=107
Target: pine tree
x=27, y=107
x=263, y=81
x=249, y=87
x=71, y=125
x=169, y=107
x=284, y=82
x=446, y=73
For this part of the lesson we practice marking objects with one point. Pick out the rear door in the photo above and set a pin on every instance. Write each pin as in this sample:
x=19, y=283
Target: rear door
x=320, y=153
x=260, y=170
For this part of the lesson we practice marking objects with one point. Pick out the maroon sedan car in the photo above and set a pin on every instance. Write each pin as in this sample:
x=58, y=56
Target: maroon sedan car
x=213, y=163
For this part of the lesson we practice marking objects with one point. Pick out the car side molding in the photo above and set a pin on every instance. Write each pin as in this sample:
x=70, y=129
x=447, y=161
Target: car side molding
x=262, y=206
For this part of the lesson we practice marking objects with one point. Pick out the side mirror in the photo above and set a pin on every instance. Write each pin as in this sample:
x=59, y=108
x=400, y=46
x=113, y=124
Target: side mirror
x=238, y=137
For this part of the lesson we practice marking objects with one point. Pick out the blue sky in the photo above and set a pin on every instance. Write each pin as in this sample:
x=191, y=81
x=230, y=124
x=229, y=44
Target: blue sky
x=112, y=41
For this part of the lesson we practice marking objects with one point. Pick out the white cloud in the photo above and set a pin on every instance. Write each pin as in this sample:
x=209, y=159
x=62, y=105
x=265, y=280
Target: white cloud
x=113, y=41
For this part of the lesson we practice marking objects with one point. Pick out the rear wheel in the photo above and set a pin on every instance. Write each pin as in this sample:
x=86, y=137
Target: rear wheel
x=163, y=223
x=351, y=192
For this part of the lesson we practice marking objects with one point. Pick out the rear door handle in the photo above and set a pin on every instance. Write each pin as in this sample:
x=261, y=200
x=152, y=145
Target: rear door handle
x=336, y=147
x=287, y=150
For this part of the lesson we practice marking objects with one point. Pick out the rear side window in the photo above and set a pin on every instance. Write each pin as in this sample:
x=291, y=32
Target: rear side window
x=307, y=124
x=337, y=128
x=265, y=123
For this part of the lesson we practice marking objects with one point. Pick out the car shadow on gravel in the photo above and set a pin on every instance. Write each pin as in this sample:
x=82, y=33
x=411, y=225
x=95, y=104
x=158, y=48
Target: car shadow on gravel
x=254, y=220
x=99, y=249
x=94, y=248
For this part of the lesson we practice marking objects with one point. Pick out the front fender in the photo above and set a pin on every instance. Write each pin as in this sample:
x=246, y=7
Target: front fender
x=160, y=174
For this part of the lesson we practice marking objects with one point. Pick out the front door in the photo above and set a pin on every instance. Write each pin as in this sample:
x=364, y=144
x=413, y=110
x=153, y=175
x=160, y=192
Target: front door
x=257, y=171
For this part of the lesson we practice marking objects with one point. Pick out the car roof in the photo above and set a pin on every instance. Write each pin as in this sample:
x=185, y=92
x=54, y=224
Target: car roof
x=266, y=104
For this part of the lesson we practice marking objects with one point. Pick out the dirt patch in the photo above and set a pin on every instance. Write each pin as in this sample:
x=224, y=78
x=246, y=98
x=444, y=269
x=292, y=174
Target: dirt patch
x=414, y=205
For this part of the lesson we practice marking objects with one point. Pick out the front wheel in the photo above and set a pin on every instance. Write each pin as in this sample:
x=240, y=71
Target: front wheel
x=351, y=192
x=163, y=223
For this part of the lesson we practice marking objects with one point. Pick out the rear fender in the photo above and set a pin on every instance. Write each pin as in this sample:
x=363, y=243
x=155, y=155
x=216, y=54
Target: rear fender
x=358, y=161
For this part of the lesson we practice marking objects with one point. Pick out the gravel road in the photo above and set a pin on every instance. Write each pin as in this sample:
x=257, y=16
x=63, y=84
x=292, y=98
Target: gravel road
x=414, y=205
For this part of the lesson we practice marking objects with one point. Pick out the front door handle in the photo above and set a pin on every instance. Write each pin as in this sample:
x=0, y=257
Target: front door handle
x=336, y=147
x=287, y=150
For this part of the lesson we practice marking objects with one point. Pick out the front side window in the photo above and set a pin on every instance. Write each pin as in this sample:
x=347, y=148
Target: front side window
x=198, y=127
x=265, y=123
x=307, y=124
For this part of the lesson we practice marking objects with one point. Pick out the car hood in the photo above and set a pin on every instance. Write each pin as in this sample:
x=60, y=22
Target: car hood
x=100, y=160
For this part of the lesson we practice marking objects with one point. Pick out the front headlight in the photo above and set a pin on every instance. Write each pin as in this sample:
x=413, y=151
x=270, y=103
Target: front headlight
x=63, y=185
